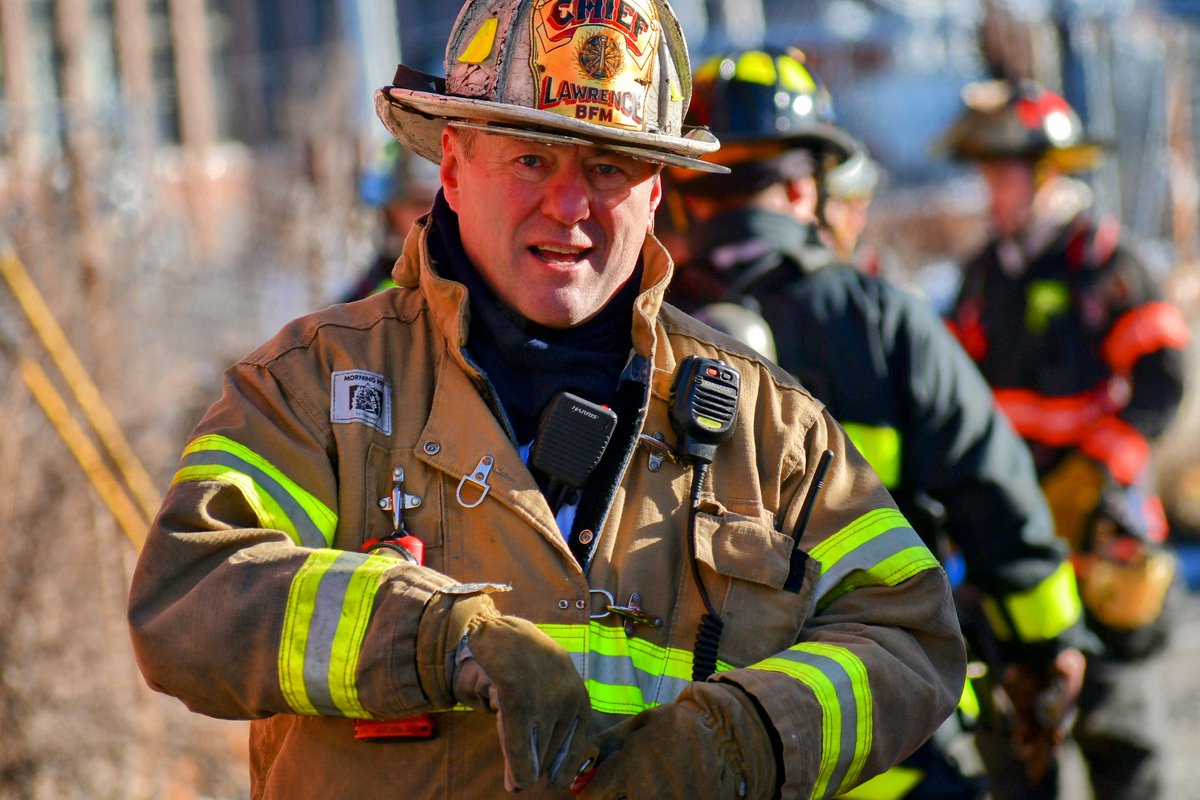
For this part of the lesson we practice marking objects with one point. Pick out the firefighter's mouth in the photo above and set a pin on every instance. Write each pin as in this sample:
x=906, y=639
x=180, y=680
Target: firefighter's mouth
x=560, y=254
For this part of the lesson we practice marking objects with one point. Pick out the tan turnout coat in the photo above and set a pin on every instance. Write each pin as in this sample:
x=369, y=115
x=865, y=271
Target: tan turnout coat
x=223, y=588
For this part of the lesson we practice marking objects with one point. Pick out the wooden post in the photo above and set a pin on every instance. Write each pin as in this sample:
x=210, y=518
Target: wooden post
x=72, y=19
x=25, y=191
x=135, y=61
x=18, y=90
x=193, y=75
x=197, y=116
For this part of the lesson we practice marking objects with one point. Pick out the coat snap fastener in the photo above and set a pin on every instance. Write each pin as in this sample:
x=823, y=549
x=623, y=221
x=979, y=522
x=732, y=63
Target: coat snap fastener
x=432, y=448
x=564, y=604
x=586, y=536
x=581, y=604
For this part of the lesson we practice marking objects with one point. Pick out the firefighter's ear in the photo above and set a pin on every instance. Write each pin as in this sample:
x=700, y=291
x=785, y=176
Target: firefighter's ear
x=802, y=196
x=656, y=197
x=453, y=152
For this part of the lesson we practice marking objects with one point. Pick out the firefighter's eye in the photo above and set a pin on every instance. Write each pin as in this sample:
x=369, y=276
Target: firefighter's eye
x=531, y=160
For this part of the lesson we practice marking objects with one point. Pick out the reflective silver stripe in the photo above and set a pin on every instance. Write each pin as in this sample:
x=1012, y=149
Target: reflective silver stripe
x=323, y=627
x=310, y=535
x=329, y=608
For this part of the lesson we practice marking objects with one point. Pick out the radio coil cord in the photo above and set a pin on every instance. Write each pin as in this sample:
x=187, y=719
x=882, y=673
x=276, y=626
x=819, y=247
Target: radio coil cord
x=704, y=400
x=708, y=635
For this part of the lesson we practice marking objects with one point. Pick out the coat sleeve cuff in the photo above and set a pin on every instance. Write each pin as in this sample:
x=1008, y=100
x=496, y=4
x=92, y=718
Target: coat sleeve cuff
x=792, y=711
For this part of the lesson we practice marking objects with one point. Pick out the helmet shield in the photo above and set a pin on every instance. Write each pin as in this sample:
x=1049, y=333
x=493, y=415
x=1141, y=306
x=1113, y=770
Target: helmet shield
x=609, y=74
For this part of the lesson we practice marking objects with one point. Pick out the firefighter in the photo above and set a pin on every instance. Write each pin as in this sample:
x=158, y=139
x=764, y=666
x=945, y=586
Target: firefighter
x=889, y=371
x=848, y=189
x=722, y=602
x=401, y=185
x=1085, y=358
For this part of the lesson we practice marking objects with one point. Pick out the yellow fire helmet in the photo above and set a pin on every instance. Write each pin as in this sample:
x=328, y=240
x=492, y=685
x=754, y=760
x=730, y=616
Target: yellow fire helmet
x=608, y=73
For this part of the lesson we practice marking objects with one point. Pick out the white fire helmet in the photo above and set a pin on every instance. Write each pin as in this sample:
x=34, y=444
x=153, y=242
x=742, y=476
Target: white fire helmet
x=608, y=73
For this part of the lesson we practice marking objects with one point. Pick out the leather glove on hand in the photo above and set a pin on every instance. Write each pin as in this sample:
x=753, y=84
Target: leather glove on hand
x=1043, y=702
x=710, y=743
x=506, y=666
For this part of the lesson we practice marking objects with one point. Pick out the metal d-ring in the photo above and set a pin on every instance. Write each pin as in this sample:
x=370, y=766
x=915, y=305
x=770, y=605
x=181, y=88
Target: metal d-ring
x=477, y=477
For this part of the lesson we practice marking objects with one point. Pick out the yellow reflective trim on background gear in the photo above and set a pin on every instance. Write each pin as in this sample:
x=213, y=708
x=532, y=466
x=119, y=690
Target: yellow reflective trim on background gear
x=894, y=784
x=968, y=703
x=1043, y=300
x=1041, y=612
x=237, y=459
x=383, y=286
x=756, y=67
x=481, y=43
x=880, y=446
x=795, y=76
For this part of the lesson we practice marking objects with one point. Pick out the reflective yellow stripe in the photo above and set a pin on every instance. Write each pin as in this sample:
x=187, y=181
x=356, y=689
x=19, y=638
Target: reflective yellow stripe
x=880, y=446
x=383, y=286
x=894, y=784
x=625, y=675
x=329, y=606
x=756, y=67
x=365, y=582
x=268, y=513
x=278, y=501
x=968, y=704
x=877, y=549
x=831, y=723
x=1041, y=612
x=1043, y=300
x=302, y=596
x=856, y=535
x=793, y=75
x=481, y=45
x=838, y=680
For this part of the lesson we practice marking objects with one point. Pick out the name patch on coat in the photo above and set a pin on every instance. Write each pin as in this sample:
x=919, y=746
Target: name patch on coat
x=360, y=396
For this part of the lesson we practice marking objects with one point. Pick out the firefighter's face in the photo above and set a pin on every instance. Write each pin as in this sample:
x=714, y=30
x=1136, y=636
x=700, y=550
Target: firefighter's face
x=1011, y=185
x=554, y=230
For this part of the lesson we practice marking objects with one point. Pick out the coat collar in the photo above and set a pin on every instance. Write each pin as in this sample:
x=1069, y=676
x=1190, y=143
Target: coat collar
x=447, y=299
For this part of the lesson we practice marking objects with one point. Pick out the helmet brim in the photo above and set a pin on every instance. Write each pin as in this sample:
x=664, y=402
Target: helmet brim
x=417, y=117
x=820, y=138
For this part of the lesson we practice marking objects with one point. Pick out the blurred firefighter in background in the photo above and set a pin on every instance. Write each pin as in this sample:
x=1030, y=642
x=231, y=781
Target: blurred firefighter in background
x=894, y=377
x=1085, y=358
x=848, y=190
x=402, y=186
